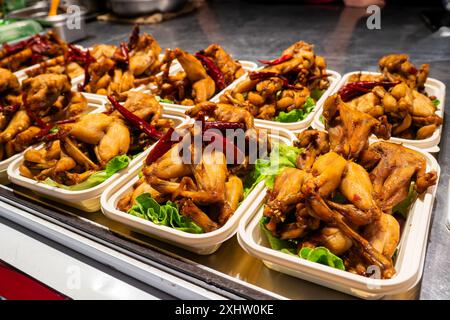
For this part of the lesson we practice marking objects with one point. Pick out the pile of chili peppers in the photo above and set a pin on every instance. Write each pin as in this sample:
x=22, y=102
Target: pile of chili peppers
x=38, y=44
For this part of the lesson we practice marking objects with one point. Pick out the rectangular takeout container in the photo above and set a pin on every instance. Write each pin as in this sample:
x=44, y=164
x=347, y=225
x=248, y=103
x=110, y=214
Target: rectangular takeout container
x=246, y=65
x=432, y=86
x=94, y=103
x=203, y=244
x=86, y=200
x=294, y=126
x=409, y=263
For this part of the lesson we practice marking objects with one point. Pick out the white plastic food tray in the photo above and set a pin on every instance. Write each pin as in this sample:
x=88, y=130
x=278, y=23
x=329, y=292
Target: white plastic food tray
x=294, y=126
x=409, y=262
x=94, y=103
x=89, y=199
x=246, y=65
x=432, y=86
x=206, y=243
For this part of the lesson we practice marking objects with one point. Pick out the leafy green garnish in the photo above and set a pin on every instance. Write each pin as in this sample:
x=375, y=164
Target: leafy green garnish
x=166, y=215
x=275, y=243
x=164, y=100
x=282, y=156
x=436, y=102
x=114, y=165
x=403, y=207
x=323, y=256
x=321, y=119
x=316, y=94
x=297, y=114
x=54, y=130
x=319, y=254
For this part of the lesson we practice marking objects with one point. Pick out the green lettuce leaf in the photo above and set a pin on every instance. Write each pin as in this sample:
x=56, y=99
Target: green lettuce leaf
x=114, y=165
x=316, y=94
x=165, y=100
x=167, y=214
x=403, y=207
x=297, y=114
x=282, y=156
x=319, y=254
x=436, y=102
x=276, y=243
x=323, y=256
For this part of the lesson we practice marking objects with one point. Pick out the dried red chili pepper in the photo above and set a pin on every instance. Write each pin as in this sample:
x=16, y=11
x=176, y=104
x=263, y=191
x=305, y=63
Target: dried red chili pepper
x=40, y=45
x=262, y=75
x=78, y=55
x=54, y=136
x=135, y=120
x=9, y=110
x=162, y=146
x=222, y=125
x=71, y=120
x=213, y=70
x=87, y=77
x=42, y=134
x=125, y=52
x=279, y=60
x=134, y=37
x=13, y=48
x=354, y=89
x=325, y=75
